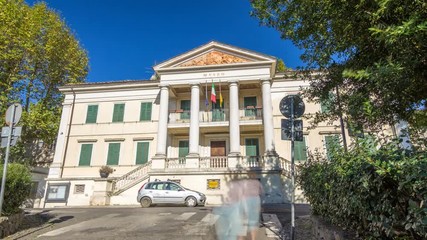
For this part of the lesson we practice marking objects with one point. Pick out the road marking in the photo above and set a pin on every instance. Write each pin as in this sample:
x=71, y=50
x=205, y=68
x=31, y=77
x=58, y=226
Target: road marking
x=185, y=216
x=210, y=219
x=75, y=226
x=164, y=214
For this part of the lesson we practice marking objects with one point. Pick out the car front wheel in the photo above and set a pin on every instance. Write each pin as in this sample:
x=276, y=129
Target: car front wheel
x=191, y=202
x=145, y=202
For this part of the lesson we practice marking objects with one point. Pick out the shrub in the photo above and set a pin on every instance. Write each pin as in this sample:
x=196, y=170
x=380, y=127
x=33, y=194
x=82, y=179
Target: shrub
x=18, y=186
x=378, y=191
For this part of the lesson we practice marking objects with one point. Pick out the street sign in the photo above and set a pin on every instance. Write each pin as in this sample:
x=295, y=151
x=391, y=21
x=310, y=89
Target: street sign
x=16, y=114
x=285, y=106
x=287, y=130
x=13, y=141
x=16, y=131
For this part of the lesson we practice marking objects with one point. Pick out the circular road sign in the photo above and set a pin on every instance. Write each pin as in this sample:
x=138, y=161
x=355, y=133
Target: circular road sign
x=285, y=106
x=16, y=115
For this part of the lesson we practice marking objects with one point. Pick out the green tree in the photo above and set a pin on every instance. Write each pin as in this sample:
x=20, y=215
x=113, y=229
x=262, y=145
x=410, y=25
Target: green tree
x=281, y=67
x=374, y=52
x=38, y=53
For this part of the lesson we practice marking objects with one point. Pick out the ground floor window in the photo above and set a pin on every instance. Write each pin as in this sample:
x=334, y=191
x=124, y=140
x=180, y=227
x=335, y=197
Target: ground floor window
x=142, y=152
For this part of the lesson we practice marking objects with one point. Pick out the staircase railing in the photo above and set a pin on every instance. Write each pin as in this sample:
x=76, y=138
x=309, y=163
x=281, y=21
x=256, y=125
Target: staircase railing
x=131, y=178
x=285, y=166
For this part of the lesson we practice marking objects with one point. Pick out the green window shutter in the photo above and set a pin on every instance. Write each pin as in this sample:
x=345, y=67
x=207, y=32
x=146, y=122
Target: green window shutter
x=92, y=113
x=252, y=147
x=325, y=105
x=330, y=141
x=145, y=114
x=113, y=154
x=183, y=149
x=300, y=150
x=250, y=101
x=119, y=110
x=142, y=152
x=85, y=154
x=186, y=106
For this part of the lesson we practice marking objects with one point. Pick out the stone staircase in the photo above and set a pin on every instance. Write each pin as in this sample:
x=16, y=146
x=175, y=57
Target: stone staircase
x=130, y=179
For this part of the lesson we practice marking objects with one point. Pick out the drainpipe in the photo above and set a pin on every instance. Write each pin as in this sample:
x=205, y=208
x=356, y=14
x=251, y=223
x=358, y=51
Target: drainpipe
x=69, y=131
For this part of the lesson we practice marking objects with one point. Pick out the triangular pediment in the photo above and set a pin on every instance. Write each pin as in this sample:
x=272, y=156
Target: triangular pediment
x=214, y=57
x=214, y=54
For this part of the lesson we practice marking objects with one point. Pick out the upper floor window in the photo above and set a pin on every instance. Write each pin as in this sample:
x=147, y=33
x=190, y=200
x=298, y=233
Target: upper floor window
x=249, y=103
x=186, y=107
x=92, y=113
x=145, y=114
x=119, y=111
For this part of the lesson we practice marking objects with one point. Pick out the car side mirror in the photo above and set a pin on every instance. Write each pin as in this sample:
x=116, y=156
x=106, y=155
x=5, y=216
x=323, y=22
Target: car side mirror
x=179, y=190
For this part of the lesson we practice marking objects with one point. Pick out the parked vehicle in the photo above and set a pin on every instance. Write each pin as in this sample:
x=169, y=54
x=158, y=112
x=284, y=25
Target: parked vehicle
x=158, y=192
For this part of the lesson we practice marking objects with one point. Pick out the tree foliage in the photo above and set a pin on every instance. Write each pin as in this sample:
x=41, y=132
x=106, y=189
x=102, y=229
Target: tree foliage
x=38, y=53
x=380, y=192
x=373, y=51
x=18, y=186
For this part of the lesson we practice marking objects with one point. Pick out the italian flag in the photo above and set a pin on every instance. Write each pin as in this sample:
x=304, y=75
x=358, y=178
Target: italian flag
x=213, y=94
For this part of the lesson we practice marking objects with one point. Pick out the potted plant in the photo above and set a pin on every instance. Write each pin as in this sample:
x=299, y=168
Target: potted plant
x=104, y=171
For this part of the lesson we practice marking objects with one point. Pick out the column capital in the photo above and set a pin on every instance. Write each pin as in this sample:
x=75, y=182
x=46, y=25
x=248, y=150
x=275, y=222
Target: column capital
x=265, y=81
x=232, y=82
x=195, y=85
x=164, y=85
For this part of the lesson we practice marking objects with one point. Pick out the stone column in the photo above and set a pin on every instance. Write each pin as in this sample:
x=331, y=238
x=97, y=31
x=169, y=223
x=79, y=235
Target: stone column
x=194, y=121
x=192, y=159
x=267, y=115
x=234, y=120
x=162, y=130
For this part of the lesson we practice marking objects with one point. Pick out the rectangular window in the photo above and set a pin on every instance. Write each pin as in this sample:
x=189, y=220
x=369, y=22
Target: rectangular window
x=119, y=111
x=145, y=114
x=92, y=113
x=330, y=141
x=300, y=150
x=252, y=147
x=186, y=107
x=113, y=154
x=85, y=154
x=142, y=152
x=326, y=104
x=79, y=189
x=249, y=104
x=183, y=151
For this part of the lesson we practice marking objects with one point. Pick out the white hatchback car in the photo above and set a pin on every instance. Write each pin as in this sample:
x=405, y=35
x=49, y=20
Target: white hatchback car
x=168, y=192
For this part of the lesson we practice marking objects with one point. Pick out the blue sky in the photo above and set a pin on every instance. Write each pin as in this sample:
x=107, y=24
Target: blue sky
x=126, y=38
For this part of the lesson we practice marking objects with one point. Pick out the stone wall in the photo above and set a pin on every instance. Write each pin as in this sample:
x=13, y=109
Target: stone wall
x=10, y=224
x=326, y=231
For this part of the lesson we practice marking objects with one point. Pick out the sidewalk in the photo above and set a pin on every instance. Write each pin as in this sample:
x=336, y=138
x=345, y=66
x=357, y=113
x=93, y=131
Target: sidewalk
x=277, y=217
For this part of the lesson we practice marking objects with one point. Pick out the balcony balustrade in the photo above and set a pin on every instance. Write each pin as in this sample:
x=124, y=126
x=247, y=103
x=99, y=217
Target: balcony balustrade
x=215, y=115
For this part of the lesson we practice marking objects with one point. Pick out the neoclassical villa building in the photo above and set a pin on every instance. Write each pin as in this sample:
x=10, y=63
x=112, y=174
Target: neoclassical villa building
x=205, y=117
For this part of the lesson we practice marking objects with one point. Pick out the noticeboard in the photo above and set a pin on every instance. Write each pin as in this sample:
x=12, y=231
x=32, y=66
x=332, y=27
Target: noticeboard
x=57, y=192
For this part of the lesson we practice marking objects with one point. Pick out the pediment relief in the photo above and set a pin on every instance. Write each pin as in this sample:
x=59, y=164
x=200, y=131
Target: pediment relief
x=213, y=58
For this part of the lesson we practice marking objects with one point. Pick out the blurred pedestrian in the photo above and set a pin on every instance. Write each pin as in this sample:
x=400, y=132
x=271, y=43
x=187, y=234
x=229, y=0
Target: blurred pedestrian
x=229, y=225
x=251, y=202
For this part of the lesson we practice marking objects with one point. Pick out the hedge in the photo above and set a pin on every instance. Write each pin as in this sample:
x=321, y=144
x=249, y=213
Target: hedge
x=18, y=186
x=379, y=191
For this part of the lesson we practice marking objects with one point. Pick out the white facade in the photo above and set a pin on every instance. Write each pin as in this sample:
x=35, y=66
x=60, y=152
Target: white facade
x=162, y=129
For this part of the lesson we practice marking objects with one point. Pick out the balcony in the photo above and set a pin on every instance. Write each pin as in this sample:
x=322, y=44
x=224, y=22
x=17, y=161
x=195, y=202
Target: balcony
x=217, y=115
x=224, y=162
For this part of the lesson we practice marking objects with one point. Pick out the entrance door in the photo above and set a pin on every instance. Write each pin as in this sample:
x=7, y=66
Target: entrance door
x=217, y=148
x=218, y=158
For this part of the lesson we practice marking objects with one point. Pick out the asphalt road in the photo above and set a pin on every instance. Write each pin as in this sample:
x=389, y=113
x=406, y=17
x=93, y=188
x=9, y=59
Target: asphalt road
x=123, y=223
